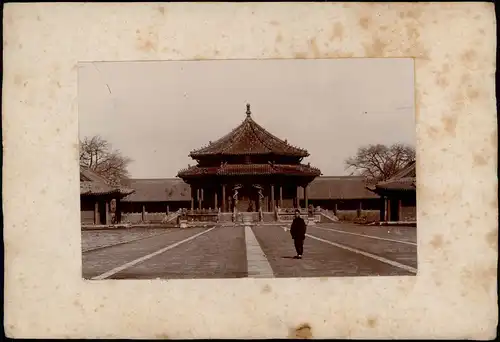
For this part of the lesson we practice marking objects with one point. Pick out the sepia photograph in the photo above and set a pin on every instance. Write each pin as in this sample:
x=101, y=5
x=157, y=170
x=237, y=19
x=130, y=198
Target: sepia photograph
x=247, y=168
x=250, y=171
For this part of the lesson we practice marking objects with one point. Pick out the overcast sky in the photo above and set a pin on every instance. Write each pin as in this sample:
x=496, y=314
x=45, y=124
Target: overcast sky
x=157, y=112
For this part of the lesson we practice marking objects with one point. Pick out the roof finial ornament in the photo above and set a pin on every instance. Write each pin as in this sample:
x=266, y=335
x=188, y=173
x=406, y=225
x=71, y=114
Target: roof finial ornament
x=248, y=110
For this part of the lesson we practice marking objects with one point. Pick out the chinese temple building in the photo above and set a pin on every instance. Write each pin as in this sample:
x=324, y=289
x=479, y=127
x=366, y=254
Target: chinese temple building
x=343, y=196
x=100, y=201
x=398, y=195
x=248, y=170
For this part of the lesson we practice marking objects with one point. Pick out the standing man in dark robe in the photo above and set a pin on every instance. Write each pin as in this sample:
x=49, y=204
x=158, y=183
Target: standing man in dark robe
x=298, y=232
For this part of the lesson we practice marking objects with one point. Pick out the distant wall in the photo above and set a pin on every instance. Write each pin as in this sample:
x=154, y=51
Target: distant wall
x=87, y=210
x=87, y=217
x=268, y=217
x=154, y=207
x=137, y=217
x=364, y=215
x=409, y=213
x=346, y=204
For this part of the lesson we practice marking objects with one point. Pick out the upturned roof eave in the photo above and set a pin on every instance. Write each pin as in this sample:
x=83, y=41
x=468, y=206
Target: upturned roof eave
x=119, y=192
x=196, y=172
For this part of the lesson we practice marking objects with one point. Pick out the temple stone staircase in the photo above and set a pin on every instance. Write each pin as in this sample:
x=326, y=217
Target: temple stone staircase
x=249, y=217
x=170, y=218
x=327, y=216
x=225, y=217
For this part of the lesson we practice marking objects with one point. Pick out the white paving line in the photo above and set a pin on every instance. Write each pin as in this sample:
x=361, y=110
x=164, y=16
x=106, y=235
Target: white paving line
x=257, y=264
x=146, y=257
x=373, y=256
x=367, y=236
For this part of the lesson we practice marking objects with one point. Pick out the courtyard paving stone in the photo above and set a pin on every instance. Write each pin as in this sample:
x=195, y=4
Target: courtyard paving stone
x=400, y=252
x=319, y=260
x=100, y=261
x=220, y=253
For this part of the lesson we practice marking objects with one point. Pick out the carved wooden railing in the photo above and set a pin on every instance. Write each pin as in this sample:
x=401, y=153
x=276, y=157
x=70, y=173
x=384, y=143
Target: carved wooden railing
x=203, y=215
x=289, y=217
x=212, y=217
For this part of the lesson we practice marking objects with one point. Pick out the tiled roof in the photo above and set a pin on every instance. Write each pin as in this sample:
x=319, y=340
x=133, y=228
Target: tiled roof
x=343, y=187
x=159, y=190
x=250, y=169
x=174, y=189
x=249, y=138
x=403, y=180
x=407, y=183
x=92, y=188
x=93, y=184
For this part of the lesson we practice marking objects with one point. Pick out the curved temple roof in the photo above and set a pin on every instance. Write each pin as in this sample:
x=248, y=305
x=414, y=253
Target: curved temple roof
x=404, y=180
x=93, y=184
x=249, y=138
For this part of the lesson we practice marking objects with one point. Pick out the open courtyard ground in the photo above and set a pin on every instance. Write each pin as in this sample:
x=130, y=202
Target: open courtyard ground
x=236, y=251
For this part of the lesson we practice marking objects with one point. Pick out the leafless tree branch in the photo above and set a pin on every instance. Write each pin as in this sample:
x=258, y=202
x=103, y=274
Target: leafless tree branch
x=97, y=154
x=379, y=162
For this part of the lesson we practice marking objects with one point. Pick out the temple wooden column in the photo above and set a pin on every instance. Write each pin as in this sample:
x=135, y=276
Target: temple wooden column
x=382, y=209
x=273, y=205
x=198, y=198
x=281, y=196
x=399, y=210
x=297, y=198
x=306, y=199
x=201, y=198
x=143, y=212
x=215, y=201
x=106, y=212
x=223, y=198
x=192, y=199
x=96, y=213
x=388, y=210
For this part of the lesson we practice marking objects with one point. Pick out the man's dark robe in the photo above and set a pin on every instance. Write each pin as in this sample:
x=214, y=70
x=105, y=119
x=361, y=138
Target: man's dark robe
x=298, y=229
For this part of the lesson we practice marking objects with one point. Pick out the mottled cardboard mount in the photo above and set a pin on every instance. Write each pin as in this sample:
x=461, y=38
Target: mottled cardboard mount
x=454, y=293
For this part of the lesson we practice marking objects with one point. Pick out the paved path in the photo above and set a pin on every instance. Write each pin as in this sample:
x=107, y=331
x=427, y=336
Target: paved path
x=146, y=257
x=320, y=259
x=403, y=252
x=257, y=264
x=220, y=253
x=100, y=261
x=256, y=251
x=401, y=233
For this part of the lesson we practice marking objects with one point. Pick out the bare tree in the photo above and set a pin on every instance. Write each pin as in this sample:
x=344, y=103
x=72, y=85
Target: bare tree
x=380, y=162
x=97, y=154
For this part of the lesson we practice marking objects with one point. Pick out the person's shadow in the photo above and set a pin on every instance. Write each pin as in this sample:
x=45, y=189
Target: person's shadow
x=288, y=257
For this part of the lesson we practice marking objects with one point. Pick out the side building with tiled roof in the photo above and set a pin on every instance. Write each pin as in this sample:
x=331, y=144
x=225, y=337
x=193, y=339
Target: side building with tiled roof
x=344, y=195
x=398, y=195
x=100, y=202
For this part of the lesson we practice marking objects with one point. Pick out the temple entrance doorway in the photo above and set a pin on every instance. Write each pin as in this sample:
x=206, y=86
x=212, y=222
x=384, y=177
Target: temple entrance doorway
x=247, y=196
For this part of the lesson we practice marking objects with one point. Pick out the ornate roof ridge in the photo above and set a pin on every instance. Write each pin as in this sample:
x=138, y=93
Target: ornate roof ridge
x=258, y=134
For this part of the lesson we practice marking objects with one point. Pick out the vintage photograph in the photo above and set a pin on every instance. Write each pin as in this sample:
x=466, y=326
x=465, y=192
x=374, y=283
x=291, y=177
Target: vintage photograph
x=247, y=168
